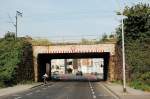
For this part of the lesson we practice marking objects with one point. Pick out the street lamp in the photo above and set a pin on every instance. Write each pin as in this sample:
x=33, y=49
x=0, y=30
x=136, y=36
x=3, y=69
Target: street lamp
x=16, y=25
x=123, y=48
x=123, y=51
x=123, y=55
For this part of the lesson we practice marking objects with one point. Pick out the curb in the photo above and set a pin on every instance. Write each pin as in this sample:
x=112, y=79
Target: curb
x=50, y=83
x=36, y=86
x=111, y=91
x=32, y=87
x=14, y=92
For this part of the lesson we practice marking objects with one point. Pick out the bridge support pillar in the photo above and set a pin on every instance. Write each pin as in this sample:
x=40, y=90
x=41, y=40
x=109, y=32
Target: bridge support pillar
x=48, y=69
x=65, y=63
x=35, y=69
x=111, y=67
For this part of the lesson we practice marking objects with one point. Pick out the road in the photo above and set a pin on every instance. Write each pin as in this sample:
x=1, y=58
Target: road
x=65, y=90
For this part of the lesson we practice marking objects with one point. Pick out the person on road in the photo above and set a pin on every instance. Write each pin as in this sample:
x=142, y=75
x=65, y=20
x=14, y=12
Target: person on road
x=45, y=77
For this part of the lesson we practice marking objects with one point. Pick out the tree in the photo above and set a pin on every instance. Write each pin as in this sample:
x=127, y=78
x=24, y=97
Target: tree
x=111, y=36
x=10, y=35
x=137, y=23
x=137, y=43
x=104, y=37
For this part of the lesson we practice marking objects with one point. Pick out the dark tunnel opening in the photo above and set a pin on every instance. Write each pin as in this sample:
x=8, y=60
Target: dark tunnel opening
x=43, y=59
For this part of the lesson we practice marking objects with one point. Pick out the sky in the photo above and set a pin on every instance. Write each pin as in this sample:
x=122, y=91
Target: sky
x=62, y=18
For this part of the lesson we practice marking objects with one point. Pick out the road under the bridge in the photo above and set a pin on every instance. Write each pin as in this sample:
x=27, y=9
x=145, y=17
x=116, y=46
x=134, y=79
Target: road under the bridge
x=43, y=59
x=65, y=90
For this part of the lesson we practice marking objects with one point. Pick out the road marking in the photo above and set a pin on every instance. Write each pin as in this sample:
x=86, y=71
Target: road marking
x=90, y=84
x=17, y=97
x=92, y=90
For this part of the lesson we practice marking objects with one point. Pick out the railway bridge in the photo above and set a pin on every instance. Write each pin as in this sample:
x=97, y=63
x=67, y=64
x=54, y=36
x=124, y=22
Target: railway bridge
x=42, y=56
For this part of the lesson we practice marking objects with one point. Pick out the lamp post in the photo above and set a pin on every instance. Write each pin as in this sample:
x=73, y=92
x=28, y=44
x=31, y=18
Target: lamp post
x=123, y=48
x=16, y=25
x=123, y=55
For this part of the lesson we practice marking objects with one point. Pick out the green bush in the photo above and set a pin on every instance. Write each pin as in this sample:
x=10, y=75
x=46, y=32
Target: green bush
x=145, y=78
x=10, y=57
x=137, y=44
x=137, y=84
x=2, y=85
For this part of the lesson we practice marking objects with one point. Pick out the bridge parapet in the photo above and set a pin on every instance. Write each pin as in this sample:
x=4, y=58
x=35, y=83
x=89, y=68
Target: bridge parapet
x=74, y=49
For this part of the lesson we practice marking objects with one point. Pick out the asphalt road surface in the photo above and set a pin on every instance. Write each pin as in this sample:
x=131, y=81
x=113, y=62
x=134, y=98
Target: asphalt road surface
x=65, y=90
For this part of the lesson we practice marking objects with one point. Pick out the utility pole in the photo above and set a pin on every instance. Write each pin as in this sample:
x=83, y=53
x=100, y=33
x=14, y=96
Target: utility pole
x=16, y=25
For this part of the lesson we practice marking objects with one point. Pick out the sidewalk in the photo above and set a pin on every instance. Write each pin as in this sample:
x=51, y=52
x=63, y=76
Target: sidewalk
x=130, y=94
x=17, y=88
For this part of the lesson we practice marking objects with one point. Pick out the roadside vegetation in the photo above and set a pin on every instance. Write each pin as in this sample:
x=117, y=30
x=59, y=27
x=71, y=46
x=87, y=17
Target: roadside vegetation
x=137, y=45
x=39, y=42
x=105, y=39
x=11, y=53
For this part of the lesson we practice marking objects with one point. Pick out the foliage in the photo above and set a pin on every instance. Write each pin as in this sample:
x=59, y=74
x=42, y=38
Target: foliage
x=86, y=41
x=108, y=38
x=10, y=56
x=137, y=23
x=137, y=43
x=137, y=84
x=10, y=36
x=105, y=39
x=41, y=42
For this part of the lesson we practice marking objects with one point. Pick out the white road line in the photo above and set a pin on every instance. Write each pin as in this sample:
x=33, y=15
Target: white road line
x=17, y=97
x=90, y=84
x=92, y=90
